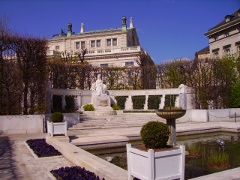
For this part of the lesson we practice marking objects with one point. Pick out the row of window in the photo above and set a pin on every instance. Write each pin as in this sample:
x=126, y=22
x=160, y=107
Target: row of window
x=226, y=51
x=130, y=63
x=225, y=34
x=96, y=43
x=93, y=43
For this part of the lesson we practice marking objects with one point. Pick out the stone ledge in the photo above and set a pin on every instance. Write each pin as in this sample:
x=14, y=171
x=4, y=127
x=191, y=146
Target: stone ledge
x=99, y=140
x=82, y=158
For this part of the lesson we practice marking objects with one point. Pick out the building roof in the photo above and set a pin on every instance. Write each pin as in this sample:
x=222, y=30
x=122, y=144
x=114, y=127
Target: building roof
x=204, y=50
x=232, y=18
x=102, y=31
x=109, y=30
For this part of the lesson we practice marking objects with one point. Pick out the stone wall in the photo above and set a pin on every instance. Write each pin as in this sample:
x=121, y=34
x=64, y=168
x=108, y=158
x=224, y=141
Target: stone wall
x=211, y=115
x=82, y=97
x=28, y=124
x=21, y=124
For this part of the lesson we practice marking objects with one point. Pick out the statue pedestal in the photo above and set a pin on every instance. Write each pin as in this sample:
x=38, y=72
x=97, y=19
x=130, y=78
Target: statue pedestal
x=102, y=105
x=101, y=101
x=101, y=113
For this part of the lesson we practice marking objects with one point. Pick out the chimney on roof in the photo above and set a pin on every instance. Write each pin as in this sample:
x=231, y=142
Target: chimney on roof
x=131, y=22
x=124, y=25
x=69, y=29
x=82, y=28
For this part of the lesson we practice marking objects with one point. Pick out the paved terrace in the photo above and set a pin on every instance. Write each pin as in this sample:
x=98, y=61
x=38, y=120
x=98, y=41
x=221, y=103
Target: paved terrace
x=17, y=162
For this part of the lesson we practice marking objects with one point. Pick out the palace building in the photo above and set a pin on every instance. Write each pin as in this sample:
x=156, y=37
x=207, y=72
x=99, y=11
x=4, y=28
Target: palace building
x=112, y=47
x=224, y=38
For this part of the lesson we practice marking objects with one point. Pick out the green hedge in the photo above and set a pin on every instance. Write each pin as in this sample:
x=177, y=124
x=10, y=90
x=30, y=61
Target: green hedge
x=121, y=101
x=138, y=102
x=70, y=105
x=88, y=107
x=154, y=101
x=116, y=107
x=170, y=100
x=57, y=103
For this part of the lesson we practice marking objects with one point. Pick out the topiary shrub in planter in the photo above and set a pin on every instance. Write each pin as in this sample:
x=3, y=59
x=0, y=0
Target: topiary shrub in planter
x=155, y=160
x=56, y=117
x=155, y=134
x=56, y=125
x=88, y=107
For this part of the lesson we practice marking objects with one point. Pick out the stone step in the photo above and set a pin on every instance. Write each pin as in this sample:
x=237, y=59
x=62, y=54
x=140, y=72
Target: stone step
x=117, y=120
x=114, y=121
x=103, y=127
x=109, y=124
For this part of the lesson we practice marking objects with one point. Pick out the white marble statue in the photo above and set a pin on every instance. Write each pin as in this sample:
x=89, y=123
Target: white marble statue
x=100, y=98
x=98, y=87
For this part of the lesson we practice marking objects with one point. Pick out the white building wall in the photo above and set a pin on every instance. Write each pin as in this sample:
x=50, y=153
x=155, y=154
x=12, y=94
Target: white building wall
x=223, y=42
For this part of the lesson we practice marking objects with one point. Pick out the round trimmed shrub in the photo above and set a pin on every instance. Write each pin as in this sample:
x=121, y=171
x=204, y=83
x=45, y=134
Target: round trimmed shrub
x=88, y=107
x=155, y=134
x=56, y=117
x=116, y=107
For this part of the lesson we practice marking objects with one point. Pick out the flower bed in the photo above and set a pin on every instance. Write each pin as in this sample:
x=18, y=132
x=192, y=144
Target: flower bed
x=74, y=172
x=41, y=148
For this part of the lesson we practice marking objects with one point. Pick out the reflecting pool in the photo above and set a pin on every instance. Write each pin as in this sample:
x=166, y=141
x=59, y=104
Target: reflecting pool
x=204, y=155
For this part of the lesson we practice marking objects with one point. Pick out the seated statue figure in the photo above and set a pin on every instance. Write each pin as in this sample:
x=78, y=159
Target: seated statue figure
x=99, y=86
x=100, y=98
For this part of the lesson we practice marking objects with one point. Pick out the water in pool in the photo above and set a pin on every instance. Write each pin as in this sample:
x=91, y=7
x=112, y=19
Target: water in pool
x=205, y=154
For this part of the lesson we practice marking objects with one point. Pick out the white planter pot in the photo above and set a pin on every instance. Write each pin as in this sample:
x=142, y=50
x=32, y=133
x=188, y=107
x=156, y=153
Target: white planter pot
x=57, y=128
x=150, y=165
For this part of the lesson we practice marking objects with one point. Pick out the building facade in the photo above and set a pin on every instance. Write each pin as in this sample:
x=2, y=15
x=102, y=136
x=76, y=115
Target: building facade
x=203, y=54
x=224, y=38
x=112, y=47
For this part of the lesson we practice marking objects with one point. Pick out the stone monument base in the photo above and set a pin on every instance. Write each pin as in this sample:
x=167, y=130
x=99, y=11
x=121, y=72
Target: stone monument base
x=101, y=112
x=102, y=105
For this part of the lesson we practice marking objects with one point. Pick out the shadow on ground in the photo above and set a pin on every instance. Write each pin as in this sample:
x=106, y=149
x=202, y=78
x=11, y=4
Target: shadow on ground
x=8, y=166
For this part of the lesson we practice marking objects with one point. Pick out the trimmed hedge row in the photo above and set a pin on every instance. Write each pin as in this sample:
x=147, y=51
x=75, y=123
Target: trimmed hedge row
x=154, y=101
x=170, y=100
x=121, y=101
x=138, y=102
x=57, y=103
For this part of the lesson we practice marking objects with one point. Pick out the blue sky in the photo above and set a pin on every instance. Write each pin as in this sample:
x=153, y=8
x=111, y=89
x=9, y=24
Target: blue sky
x=167, y=29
